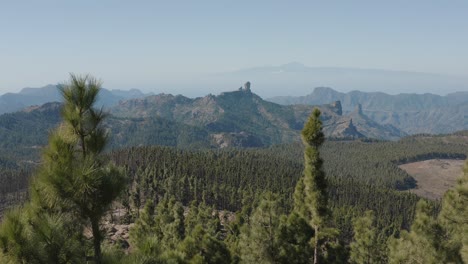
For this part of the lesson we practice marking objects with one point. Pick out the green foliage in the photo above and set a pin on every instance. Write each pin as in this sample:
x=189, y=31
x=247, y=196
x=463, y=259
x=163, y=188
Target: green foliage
x=364, y=248
x=73, y=177
x=454, y=218
x=73, y=182
x=312, y=134
x=75, y=186
x=201, y=247
x=423, y=244
x=294, y=236
x=32, y=236
x=260, y=239
x=233, y=179
x=311, y=196
x=170, y=223
x=144, y=225
x=164, y=235
x=204, y=216
x=436, y=240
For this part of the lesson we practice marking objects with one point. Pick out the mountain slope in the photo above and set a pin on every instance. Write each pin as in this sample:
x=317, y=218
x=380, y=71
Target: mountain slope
x=28, y=130
x=232, y=119
x=245, y=112
x=231, y=112
x=411, y=113
x=373, y=100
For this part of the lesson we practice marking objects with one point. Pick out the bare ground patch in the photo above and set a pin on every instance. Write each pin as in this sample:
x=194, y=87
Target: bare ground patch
x=434, y=177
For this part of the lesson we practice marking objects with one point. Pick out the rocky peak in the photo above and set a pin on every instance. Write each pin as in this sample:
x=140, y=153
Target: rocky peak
x=336, y=106
x=358, y=109
x=246, y=87
x=351, y=131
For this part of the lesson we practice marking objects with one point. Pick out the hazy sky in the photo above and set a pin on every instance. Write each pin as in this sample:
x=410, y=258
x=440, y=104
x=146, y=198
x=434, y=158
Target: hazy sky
x=143, y=44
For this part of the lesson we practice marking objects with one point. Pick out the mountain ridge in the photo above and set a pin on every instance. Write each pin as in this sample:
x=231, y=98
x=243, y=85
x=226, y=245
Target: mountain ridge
x=232, y=119
x=222, y=113
x=411, y=113
x=11, y=102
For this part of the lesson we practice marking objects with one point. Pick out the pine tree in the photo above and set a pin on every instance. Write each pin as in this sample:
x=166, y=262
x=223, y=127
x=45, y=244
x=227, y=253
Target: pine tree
x=166, y=228
x=259, y=240
x=74, y=178
x=204, y=215
x=144, y=226
x=364, y=247
x=200, y=247
x=310, y=196
x=454, y=218
x=423, y=243
x=294, y=237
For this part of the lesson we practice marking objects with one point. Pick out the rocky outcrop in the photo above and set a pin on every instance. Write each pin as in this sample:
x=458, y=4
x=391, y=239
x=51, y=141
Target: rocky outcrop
x=350, y=131
x=241, y=139
x=358, y=109
x=245, y=88
x=354, y=125
x=337, y=107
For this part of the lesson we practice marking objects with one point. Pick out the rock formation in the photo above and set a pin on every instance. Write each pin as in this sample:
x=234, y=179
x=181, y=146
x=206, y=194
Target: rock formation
x=246, y=87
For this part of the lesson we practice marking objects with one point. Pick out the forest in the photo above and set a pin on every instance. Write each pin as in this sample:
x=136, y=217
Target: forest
x=314, y=201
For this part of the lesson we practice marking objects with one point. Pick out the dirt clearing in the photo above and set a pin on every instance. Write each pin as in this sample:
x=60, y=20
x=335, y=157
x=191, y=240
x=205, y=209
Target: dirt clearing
x=434, y=177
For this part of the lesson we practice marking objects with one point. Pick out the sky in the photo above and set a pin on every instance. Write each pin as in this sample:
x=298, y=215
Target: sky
x=152, y=45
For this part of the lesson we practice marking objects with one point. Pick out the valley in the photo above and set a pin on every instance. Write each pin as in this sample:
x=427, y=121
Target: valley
x=226, y=153
x=234, y=132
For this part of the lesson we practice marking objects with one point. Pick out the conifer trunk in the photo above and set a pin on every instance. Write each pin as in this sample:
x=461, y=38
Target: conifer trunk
x=96, y=241
x=316, y=246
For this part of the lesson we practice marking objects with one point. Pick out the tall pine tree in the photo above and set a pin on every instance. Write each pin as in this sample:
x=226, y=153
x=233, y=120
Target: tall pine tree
x=310, y=197
x=74, y=178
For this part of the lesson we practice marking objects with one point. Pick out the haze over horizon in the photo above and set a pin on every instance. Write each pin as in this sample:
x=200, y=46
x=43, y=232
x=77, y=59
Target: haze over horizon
x=195, y=48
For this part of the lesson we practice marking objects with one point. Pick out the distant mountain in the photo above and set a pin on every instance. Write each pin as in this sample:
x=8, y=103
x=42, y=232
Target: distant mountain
x=231, y=119
x=439, y=120
x=373, y=100
x=357, y=125
x=245, y=113
x=240, y=114
x=11, y=102
x=28, y=130
x=411, y=113
x=298, y=79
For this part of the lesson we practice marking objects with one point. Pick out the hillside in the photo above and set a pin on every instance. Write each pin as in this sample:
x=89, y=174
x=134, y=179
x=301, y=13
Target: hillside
x=232, y=119
x=242, y=112
x=27, y=131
